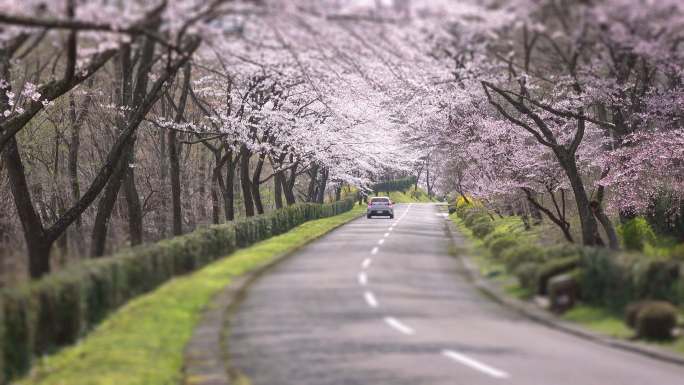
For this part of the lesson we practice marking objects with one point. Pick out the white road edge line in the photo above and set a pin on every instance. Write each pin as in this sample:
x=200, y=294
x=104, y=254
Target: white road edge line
x=366, y=263
x=467, y=361
x=386, y=235
x=397, y=325
x=375, y=250
x=363, y=278
x=370, y=299
x=380, y=242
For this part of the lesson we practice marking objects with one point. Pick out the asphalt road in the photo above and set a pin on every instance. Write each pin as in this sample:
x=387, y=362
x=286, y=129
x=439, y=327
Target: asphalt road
x=380, y=301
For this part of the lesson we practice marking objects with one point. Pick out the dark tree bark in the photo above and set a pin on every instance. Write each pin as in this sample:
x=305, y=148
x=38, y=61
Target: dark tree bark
x=135, y=217
x=39, y=239
x=230, y=185
x=105, y=207
x=320, y=196
x=565, y=154
x=174, y=172
x=174, y=156
x=311, y=191
x=245, y=182
x=215, y=207
x=256, y=192
x=278, y=189
x=288, y=186
x=597, y=208
x=76, y=121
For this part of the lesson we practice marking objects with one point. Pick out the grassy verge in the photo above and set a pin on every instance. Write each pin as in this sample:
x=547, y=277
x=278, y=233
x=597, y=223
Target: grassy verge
x=488, y=267
x=598, y=319
x=143, y=342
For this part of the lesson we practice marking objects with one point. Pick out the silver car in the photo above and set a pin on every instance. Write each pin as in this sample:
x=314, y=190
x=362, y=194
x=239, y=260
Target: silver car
x=380, y=206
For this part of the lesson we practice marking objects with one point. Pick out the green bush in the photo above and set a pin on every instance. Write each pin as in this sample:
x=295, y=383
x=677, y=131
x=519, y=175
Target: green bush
x=553, y=268
x=561, y=251
x=482, y=227
x=636, y=233
x=42, y=316
x=526, y=273
x=523, y=252
x=656, y=279
x=632, y=312
x=607, y=279
x=395, y=185
x=656, y=320
x=501, y=243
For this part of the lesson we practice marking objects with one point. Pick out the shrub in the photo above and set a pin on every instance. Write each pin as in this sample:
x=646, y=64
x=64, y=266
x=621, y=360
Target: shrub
x=42, y=316
x=482, y=227
x=607, y=278
x=561, y=251
x=656, y=320
x=656, y=279
x=632, y=312
x=636, y=233
x=523, y=252
x=526, y=273
x=503, y=242
x=553, y=268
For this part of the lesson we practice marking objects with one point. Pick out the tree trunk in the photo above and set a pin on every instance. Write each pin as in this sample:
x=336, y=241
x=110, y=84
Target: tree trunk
x=135, y=218
x=229, y=196
x=245, y=183
x=597, y=208
x=37, y=242
x=163, y=175
x=313, y=174
x=256, y=192
x=72, y=157
x=288, y=186
x=338, y=192
x=215, y=207
x=105, y=207
x=320, y=197
x=278, y=190
x=174, y=171
x=590, y=234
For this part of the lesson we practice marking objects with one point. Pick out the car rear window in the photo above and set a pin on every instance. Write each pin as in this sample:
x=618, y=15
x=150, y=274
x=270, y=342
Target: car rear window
x=380, y=200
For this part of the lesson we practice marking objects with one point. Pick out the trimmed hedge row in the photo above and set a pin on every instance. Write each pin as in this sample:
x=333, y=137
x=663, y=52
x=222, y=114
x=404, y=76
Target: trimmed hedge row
x=395, y=185
x=40, y=317
x=607, y=278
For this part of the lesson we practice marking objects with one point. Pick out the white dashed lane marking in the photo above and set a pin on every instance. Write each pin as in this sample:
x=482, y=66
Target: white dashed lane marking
x=370, y=299
x=474, y=364
x=363, y=278
x=366, y=263
x=400, y=327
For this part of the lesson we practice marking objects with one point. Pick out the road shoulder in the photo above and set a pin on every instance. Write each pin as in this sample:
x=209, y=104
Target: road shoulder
x=539, y=315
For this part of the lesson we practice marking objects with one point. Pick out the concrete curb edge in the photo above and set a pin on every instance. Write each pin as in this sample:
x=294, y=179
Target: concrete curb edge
x=205, y=358
x=546, y=318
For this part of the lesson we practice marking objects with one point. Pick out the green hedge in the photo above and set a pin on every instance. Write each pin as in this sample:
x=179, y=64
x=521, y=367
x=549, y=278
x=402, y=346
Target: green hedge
x=608, y=278
x=40, y=317
x=395, y=185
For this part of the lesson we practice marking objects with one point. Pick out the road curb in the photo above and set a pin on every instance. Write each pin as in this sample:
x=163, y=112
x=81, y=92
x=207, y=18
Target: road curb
x=546, y=318
x=206, y=359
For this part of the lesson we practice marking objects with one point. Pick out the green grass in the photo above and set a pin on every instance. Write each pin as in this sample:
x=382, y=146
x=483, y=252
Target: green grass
x=599, y=320
x=143, y=342
x=612, y=324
